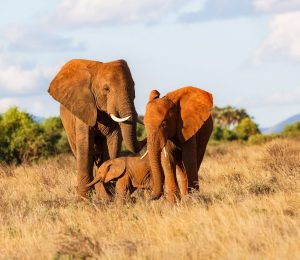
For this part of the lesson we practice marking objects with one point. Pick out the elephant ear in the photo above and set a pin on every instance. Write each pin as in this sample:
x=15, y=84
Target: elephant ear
x=194, y=107
x=115, y=170
x=154, y=94
x=72, y=88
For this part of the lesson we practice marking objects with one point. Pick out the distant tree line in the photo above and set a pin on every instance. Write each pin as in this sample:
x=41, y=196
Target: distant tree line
x=236, y=124
x=232, y=124
x=22, y=139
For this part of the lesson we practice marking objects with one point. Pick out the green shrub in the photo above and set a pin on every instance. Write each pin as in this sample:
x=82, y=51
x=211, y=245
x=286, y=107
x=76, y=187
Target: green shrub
x=246, y=128
x=292, y=130
x=217, y=133
x=228, y=135
x=261, y=139
x=55, y=136
x=22, y=139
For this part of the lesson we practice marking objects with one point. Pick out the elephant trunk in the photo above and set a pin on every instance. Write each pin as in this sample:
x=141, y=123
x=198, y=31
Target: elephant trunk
x=156, y=169
x=128, y=129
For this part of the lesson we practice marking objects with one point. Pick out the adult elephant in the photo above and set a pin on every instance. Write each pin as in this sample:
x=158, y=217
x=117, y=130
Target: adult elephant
x=97, y=111
x=182, y=116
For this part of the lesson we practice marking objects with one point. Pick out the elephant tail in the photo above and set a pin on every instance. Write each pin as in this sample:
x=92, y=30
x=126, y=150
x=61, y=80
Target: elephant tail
x=96, y=180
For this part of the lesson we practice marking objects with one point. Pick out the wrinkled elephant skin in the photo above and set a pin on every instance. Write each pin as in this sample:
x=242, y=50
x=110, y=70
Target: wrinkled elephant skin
x=131, y=173
x=92, y=95
x=184, y=117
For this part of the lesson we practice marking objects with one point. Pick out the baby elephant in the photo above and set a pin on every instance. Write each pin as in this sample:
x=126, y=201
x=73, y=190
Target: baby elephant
x=129, y=174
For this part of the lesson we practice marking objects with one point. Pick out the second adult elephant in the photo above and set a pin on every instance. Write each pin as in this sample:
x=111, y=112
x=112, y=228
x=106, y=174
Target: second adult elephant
x=182, y=116
x=97, y=111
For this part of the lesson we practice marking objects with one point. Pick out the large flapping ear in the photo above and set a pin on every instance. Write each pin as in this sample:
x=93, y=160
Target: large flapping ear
x=153, y=95
x=115, y=170
x=194, y=109
x=71, y=87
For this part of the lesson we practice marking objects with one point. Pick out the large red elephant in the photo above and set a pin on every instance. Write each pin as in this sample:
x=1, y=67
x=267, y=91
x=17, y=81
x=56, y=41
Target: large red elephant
x=182, y=116
x=97, y=111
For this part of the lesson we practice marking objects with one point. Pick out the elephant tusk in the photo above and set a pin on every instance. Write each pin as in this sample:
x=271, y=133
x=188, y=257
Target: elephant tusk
x=119, y=120
x=165, y=152
x=140, y=121
x=144, y=155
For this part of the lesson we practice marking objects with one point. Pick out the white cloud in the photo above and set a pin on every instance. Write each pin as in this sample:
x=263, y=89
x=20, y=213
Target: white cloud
x=37, y=39
x=18, y=78
x=96, y=12
x=279, y=97
x=285, y=97
x=276, y=5
x=284, y=39
x=219, y=9
x=38, y=105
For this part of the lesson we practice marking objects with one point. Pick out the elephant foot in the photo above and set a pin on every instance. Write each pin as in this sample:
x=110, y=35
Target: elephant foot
x=172, y=199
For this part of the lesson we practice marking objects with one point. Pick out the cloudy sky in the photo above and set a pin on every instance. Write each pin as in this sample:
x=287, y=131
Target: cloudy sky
x=245, y=52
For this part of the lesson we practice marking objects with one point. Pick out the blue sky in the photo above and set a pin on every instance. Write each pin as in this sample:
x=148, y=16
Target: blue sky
x=245, y=52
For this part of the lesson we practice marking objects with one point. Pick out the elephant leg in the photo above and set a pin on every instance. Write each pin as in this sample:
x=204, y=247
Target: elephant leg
x=183, y=181
x=101, y=191
x=189, y=158
x=122, y=189
x=171, y=186
x=114, y=141
x=84, y=156
x=203, y=136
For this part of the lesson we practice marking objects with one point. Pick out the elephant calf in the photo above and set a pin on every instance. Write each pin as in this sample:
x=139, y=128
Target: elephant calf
x=126, y=174
x=129, y=174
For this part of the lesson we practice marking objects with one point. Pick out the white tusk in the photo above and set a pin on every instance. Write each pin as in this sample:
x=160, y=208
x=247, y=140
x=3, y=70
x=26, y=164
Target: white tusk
x=144, y=155
x=140, y=121
x=119, y=120
x=165, y=152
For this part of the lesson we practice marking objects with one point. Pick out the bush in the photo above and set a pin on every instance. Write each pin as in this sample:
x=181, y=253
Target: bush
x=292, y=129
x=140, y=131
x=22, y=139
x=220, y=134
x=217, y=133
x=246, y=128
x=228, y=135
x=55, y=136
x=261, y=139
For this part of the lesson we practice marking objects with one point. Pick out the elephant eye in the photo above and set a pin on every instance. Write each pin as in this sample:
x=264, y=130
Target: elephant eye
x=106, y=88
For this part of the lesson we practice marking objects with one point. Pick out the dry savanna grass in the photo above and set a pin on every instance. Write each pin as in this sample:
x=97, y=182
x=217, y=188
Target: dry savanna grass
x=248, y=208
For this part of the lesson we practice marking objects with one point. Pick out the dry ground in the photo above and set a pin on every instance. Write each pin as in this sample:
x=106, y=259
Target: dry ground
x=248, y=208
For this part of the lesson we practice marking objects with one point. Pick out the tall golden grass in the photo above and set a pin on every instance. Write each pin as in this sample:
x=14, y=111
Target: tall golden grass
x=248, y=208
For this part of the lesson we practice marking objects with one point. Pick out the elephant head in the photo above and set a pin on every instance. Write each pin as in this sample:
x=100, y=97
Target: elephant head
x=87, y=87
x=176, y=116
x=109, y=171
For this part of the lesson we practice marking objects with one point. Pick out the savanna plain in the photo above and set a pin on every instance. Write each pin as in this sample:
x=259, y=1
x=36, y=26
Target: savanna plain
x=248, y=208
